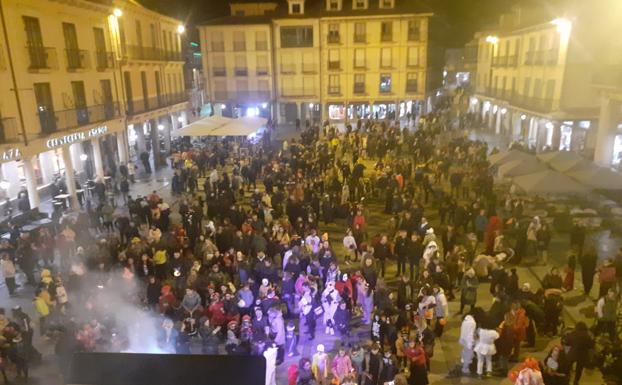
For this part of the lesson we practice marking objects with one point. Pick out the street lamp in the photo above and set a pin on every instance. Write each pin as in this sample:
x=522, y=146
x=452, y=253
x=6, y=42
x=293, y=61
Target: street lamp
x=563, y=25
x=117, y=12
x=181, y=29
x=492, y=39
x=83, y=157
x=161, y=127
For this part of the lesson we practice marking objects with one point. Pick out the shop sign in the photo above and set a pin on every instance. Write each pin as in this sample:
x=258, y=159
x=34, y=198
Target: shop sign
x=11, y=154
x=76, y=137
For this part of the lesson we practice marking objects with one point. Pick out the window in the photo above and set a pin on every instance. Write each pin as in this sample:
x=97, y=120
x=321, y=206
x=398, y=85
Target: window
x=287, y=64
x=333, y=33
x=45, y=107
x=71, y=46
x=333, y=5
x=359, y=4
x=292, y=37
x=296, y=8
x=413, y=57
x=359, y=58
x=262, y=65
x=550, y=89
x=139, y=34
x=218, y=42
x=333, y=84
x=220, y=90
x=219, y=67
x=359, y=33
x=261, y=41
x=537, y=88
x=333, y=60
x=385, y=83
x=240, y=65
x=386, y=3
x=527, y=87
x=359, y=83
x=239, y=41
x=386, y=31
x=385, y=58
x=414, y=26
x=411, y=82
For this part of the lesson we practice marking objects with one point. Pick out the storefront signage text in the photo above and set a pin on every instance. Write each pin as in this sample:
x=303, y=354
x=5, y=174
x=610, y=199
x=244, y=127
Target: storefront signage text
x=11, y=154
x=76, y=137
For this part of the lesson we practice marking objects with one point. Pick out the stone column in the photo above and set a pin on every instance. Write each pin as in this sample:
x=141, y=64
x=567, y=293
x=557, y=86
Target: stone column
x=97, y=159
x=498, y=121
x=155, y=142
x=557, y=134
x=167, y=135
x=70, y=178
x=139, y=129
x=31, y=183
x=605, y=137
x=122, y=146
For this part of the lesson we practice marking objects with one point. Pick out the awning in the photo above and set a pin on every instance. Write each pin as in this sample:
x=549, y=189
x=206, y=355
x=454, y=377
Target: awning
x=521, y=167
x=508, y=156
x=549, y=182
x=222, y=126
x=598, y=177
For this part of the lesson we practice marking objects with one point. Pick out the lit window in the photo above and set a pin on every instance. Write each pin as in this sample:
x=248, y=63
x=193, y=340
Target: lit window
x=385, y=83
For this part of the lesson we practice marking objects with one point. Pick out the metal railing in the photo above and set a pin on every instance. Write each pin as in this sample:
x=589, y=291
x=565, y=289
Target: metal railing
x=334, y=38
x=334, y=65
x=52, y=121
x=219, y=71
x=172, y=56
x=499, y=61
x=104, y=60
x=241, y=71
x=138, y=52
x=532, y=103
x=77, y=59
x=359, y=88
x=360, y=38
x=138, y=106
x=239, y=46
x=8, y=130
x=218, y=46
x=288, y=68
x=42, y=58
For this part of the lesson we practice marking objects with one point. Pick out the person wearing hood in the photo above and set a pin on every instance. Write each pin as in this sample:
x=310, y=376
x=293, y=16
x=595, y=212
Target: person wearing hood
x=277, y=330
x=485, y=349
x=467, y=340
x=468, y=294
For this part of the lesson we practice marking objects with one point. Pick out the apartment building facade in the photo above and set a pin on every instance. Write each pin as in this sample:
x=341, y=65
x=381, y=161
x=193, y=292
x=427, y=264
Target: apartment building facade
x=333, y=60
x=534, y=76
x=64, y=105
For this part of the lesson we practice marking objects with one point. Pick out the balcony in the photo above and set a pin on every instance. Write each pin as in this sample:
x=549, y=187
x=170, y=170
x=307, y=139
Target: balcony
x=53, y=121
x=262, y=71
x=218, y=46
x=137, y=52
x=42, y=58
x=241, y=71
x=386, y=37
x=217, y=71
x=359, y=88
x=172, y=56
x=531, y=103
x=8, y=130
x=360, y=38
x=334, y=90
x=261, y=45
x=608, y=77
x=499, y=61
x=411, y=86
x=334, y=38
x=288, y=69
x=104, y=60
x=309, y=68
x=512, y=61
x=334, y=65
x=239, y=46
x=77, y=59
x=138, y=106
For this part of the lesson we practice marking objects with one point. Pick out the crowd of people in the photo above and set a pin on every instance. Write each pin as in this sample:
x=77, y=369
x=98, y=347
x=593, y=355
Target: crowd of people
x=247, y=264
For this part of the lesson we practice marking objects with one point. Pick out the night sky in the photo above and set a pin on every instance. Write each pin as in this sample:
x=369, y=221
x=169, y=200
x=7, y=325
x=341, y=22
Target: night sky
x=457, y=19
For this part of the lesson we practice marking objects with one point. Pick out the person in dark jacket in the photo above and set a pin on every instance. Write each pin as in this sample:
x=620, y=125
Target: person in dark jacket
x=415, y=253
x=580, y=342
x=588, y=262
x=153, y=292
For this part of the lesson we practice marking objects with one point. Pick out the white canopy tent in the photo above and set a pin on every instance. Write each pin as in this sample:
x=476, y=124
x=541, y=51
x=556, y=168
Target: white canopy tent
x=508, y=156
x=520, y=167
x=560, y=159
x=549, y=182
x=598, y=177
x=222, y=126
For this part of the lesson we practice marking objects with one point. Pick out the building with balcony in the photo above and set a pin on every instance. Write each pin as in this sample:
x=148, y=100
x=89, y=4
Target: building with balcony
x=534, y=75
x=64, y=79
x=335, y=60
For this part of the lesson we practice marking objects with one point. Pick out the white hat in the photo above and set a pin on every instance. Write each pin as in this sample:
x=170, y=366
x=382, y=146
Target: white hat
x=265, y=282
x=320, y=348
x=526, y=286
x=429, y=231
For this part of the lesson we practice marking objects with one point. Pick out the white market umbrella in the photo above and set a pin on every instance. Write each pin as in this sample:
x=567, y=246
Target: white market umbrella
x=508, y=156
x=598, y=177
x=549, y=182
x=240, y=127
x=520, y=167
x=202, y=127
